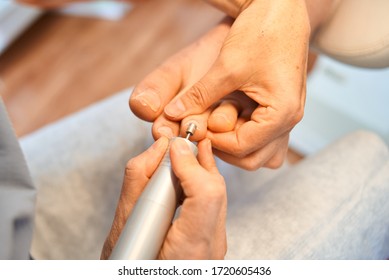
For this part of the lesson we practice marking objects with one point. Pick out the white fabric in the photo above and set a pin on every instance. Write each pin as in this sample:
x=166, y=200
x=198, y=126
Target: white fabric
x=333, y=205
x=357, y=33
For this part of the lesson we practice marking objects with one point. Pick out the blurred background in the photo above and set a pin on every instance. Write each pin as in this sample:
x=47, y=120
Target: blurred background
x=341, y=99
x=56, y=62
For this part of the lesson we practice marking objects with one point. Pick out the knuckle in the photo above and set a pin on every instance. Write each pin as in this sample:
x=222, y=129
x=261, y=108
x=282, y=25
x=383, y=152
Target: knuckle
x=294, y=113
x=298, y=115
x=243, y=146
x=166, y=69
x=251, y=165
x=132, y=166
x=277, y=160
x=199, y=95
x=216, y=192
x=231, y=72
x=275, y=163
x=237, y=152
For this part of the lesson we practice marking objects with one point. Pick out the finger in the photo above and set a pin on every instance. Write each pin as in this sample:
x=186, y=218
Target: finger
x=237, y=106
x=201, y=221
x=212, y=75
x=152, y=94
x=265, y=125
x=191, y=173
x=224, y=117
x=178, y=72
x=217, y=83
x=205, y=156
x=184, y=162
x=272, y=156
x=138, y=172
x=186, y=167
x=140, y=168
x=163, y=127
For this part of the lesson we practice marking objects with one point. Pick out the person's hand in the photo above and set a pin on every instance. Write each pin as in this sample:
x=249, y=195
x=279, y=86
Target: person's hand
x=199, y=230
x=175, y=75
x=263, y=55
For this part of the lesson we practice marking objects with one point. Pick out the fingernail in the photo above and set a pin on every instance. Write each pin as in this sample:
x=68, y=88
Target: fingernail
x=223, y=118
x=208, y=144
x=165, y=131
x=149, y=98
x=157, y=144
x=181, y=146
x=175, y=109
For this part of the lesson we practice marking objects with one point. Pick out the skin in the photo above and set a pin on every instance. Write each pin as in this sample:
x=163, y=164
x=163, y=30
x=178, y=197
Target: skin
x=199, y=230
x=258, y=57
x=272, y=75
x=262, y=55
x=244, y=84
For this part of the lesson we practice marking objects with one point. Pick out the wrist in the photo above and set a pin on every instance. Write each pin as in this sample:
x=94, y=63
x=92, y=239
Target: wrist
x=318, y=10
x=231, y=7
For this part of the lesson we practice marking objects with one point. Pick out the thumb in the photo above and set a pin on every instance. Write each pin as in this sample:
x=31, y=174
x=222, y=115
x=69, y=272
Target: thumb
x=152, y=94
x=214, y=85
x=184, y=162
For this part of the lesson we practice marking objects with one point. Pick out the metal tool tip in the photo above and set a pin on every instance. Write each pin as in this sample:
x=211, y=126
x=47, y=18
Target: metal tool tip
x=190, y=130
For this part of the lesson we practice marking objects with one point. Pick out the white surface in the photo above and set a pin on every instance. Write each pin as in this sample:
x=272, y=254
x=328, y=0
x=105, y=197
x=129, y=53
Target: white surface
x=341, y=99
x=108, y=10
x=14, y=19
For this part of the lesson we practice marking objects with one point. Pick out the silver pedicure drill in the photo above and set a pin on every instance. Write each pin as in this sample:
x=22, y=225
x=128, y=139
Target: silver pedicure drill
x=146, y=228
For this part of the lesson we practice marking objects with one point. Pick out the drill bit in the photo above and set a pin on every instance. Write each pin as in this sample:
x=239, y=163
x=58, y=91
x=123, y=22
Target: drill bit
x=190, y=130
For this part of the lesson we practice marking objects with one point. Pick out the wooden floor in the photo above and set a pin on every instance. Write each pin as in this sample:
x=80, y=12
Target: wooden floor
x=62, y=63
